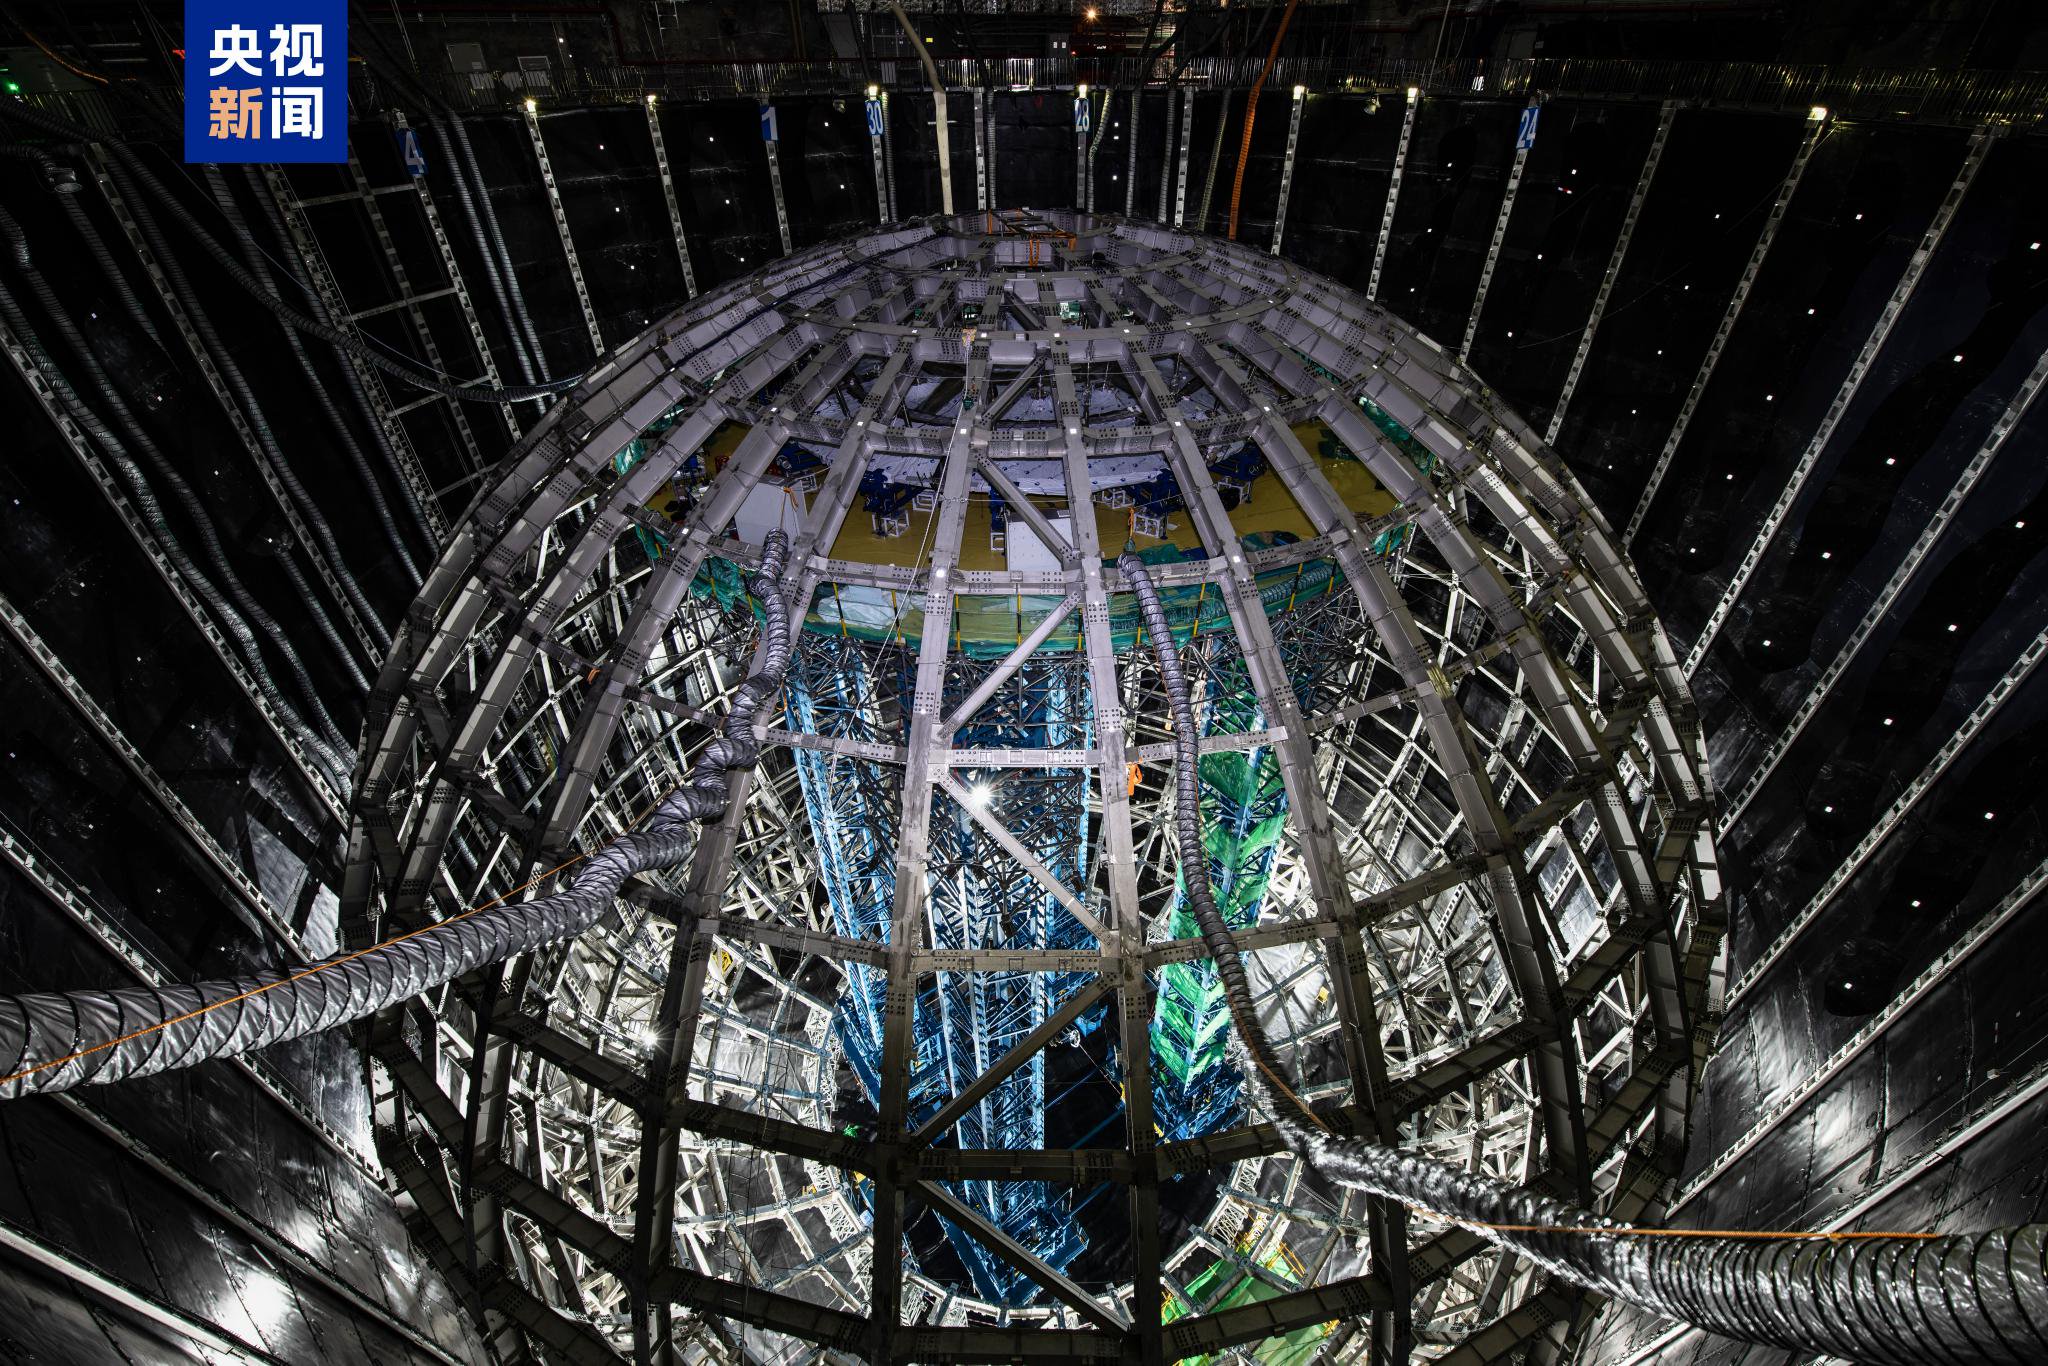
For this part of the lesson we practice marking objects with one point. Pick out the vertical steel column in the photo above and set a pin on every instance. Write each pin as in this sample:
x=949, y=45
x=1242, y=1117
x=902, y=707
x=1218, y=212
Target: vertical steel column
x=1882, y=604
x=1124, y=950
x=292, y=214
x=1379, y=252
x=1350, y=975
x=1500, y=233
x=887, y=154
x=1187, y=136
x=883, y=207
x=1665, y=117
x=1902, y=294
x=455, y=282
x=908, y=909
x=1287, y=166
x=547, y=180
x=980, y=149
x=668, y=193
x=775, y=174
x=396, y=264
x=1735, y=303
x=994, y=200
x=1215, y=161
x=1166, y=154
x=704, y=893
x=1308, y=812
x=1131, y=156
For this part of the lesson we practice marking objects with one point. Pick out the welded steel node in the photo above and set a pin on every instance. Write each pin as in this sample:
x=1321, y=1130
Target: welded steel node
x=918, y=1055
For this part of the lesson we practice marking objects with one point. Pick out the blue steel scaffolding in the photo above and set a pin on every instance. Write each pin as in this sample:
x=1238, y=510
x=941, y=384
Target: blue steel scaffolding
x=978, y=899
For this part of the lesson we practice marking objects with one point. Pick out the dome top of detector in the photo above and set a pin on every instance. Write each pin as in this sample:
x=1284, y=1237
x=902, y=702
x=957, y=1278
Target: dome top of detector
x=919, y=1037
x=1159, y=334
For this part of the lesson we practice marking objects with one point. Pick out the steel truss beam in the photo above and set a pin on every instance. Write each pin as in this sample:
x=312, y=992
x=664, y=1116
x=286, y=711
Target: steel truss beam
x=668, y=194
x=1902, y=294
x=1379, y=251
x=1500, y=234
x=410, y=300
x=1887, y=597
x=1666, y=116
x=1980, y=716
x=1736, y=300
x=547, y=178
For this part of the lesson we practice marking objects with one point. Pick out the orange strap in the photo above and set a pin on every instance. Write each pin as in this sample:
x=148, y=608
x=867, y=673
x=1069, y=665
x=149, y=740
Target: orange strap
x=331, y=963
x=1251, y=111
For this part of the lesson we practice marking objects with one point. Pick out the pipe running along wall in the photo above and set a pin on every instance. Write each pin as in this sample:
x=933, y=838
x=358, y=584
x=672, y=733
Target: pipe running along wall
x=931, y=71
x=1887, y=1299
x=54, y=1041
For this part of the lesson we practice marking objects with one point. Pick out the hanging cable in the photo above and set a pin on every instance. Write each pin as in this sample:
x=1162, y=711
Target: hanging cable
x=497, y=239
x=931, y=71
x=451, y=158
x=1872, y=1297
x=1251, y=112
x=318, y=538
x=53, y=1041
x=322, y=736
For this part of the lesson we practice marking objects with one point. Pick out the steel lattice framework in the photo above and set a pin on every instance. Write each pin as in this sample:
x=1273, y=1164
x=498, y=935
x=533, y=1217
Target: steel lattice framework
x=1460, y=819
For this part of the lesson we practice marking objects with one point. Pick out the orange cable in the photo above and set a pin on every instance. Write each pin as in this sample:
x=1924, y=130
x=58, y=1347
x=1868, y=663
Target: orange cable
x=1251, y=111
x=299, y=976
x=74, y=70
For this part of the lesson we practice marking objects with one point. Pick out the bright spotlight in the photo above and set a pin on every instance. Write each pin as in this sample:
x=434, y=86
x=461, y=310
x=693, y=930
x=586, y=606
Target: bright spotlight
x=532, y=105
x=1818, y=113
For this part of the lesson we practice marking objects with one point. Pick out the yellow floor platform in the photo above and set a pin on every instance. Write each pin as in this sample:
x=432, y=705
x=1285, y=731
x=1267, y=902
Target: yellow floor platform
x=1269, y=509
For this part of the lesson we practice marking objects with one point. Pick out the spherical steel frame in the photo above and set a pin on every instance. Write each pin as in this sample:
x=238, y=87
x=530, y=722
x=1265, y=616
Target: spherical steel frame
x=1494, y=921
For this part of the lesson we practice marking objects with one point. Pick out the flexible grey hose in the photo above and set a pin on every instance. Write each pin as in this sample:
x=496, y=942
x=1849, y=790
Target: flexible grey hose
x=1095, y=144
x=471, y=393
x=931, y=72
x=63, y=182
x=380, y=507
x=321, y=733
x=489, y=214
x=270, y=453
x=451, y=157
x=1963, y=1298
x=53, y=1041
